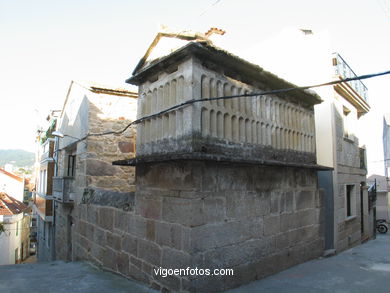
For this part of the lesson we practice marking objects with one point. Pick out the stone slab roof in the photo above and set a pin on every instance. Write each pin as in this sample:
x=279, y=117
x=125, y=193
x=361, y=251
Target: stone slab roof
x=234, y=66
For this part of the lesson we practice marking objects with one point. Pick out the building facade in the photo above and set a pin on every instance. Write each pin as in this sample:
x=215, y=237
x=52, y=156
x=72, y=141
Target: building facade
x=14, y=235
x=86, y=187
x=337, y=120
x=12, y=184
x=309, y=60
x=43, y=193
x=222, y=184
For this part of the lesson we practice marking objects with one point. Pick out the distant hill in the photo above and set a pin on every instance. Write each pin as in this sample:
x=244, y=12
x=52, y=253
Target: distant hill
x=18, y=158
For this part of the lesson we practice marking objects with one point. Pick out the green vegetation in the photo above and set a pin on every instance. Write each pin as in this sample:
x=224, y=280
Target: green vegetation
x=18, y=158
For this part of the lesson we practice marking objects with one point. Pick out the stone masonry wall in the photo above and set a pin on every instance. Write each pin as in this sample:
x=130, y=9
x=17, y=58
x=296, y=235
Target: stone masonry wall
x=255, y=219
x=111, y=113
x=348, y=172
x=94, y=175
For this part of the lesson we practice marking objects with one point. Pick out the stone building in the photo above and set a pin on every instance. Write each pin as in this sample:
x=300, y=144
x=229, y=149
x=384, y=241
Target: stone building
x=86, y=187
x=309, y=60
x=222, y=184
x=350, y=216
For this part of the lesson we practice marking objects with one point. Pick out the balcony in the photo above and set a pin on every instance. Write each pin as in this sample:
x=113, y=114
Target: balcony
x=43, y=205
x=47, y=150
x=62, y=189
x=354, y=91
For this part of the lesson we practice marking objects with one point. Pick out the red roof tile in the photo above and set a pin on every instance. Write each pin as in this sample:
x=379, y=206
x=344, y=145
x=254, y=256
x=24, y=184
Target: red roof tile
x=11, y=175
x=10, y=206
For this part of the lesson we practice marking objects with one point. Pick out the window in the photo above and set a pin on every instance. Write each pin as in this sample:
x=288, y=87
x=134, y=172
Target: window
x=350, y=200
x=71, y=165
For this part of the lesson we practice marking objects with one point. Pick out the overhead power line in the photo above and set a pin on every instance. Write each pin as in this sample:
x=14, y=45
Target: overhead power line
x=193, y=101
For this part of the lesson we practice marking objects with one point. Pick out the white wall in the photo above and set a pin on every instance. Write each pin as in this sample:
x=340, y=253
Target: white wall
x=11, y=186
x=9, y=241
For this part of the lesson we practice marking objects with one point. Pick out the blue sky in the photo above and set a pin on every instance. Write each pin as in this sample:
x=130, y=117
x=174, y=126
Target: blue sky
x=46, y=44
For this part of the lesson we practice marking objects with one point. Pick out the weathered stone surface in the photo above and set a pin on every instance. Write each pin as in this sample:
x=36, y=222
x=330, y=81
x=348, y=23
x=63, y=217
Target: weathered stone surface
x=169, y=176
x=99, y=236
x=129, y=244
x=110, y=259
x=163, y=233
x=135, y=261
x=149, y=252
x=271, y=225
x=305, y=199
x=175, y=259
x=148, y=207
x=100, y=168
x=106, y=218
x=126, y=146
x=138, y=274
x=247, y=205
x=100, y=197
x=150, y=230
x=214, y=209
x=189, y=212
x=222, y=234
x=114, y=241
x=121, y=221
x=123, y=263
x=137, y=227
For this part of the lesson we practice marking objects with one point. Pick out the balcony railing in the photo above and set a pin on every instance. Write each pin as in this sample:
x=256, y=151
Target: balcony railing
x=342, y=69
x=62, y=189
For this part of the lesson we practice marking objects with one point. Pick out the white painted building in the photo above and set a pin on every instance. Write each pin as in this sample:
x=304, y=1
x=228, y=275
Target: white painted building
x=14, y=240
x=12, y=184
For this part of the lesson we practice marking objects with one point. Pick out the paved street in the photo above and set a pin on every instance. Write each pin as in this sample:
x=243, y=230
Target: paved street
x=365, y=268
x=61, y=277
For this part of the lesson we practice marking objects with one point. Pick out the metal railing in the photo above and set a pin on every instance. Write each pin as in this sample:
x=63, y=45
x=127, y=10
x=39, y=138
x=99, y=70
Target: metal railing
x=342, y=69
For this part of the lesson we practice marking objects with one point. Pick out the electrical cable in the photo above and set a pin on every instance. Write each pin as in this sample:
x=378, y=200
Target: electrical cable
x=193, y=101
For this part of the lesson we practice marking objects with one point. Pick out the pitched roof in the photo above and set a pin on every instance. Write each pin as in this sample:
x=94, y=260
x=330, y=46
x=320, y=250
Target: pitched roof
x=16, y=177
x=10, y=206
